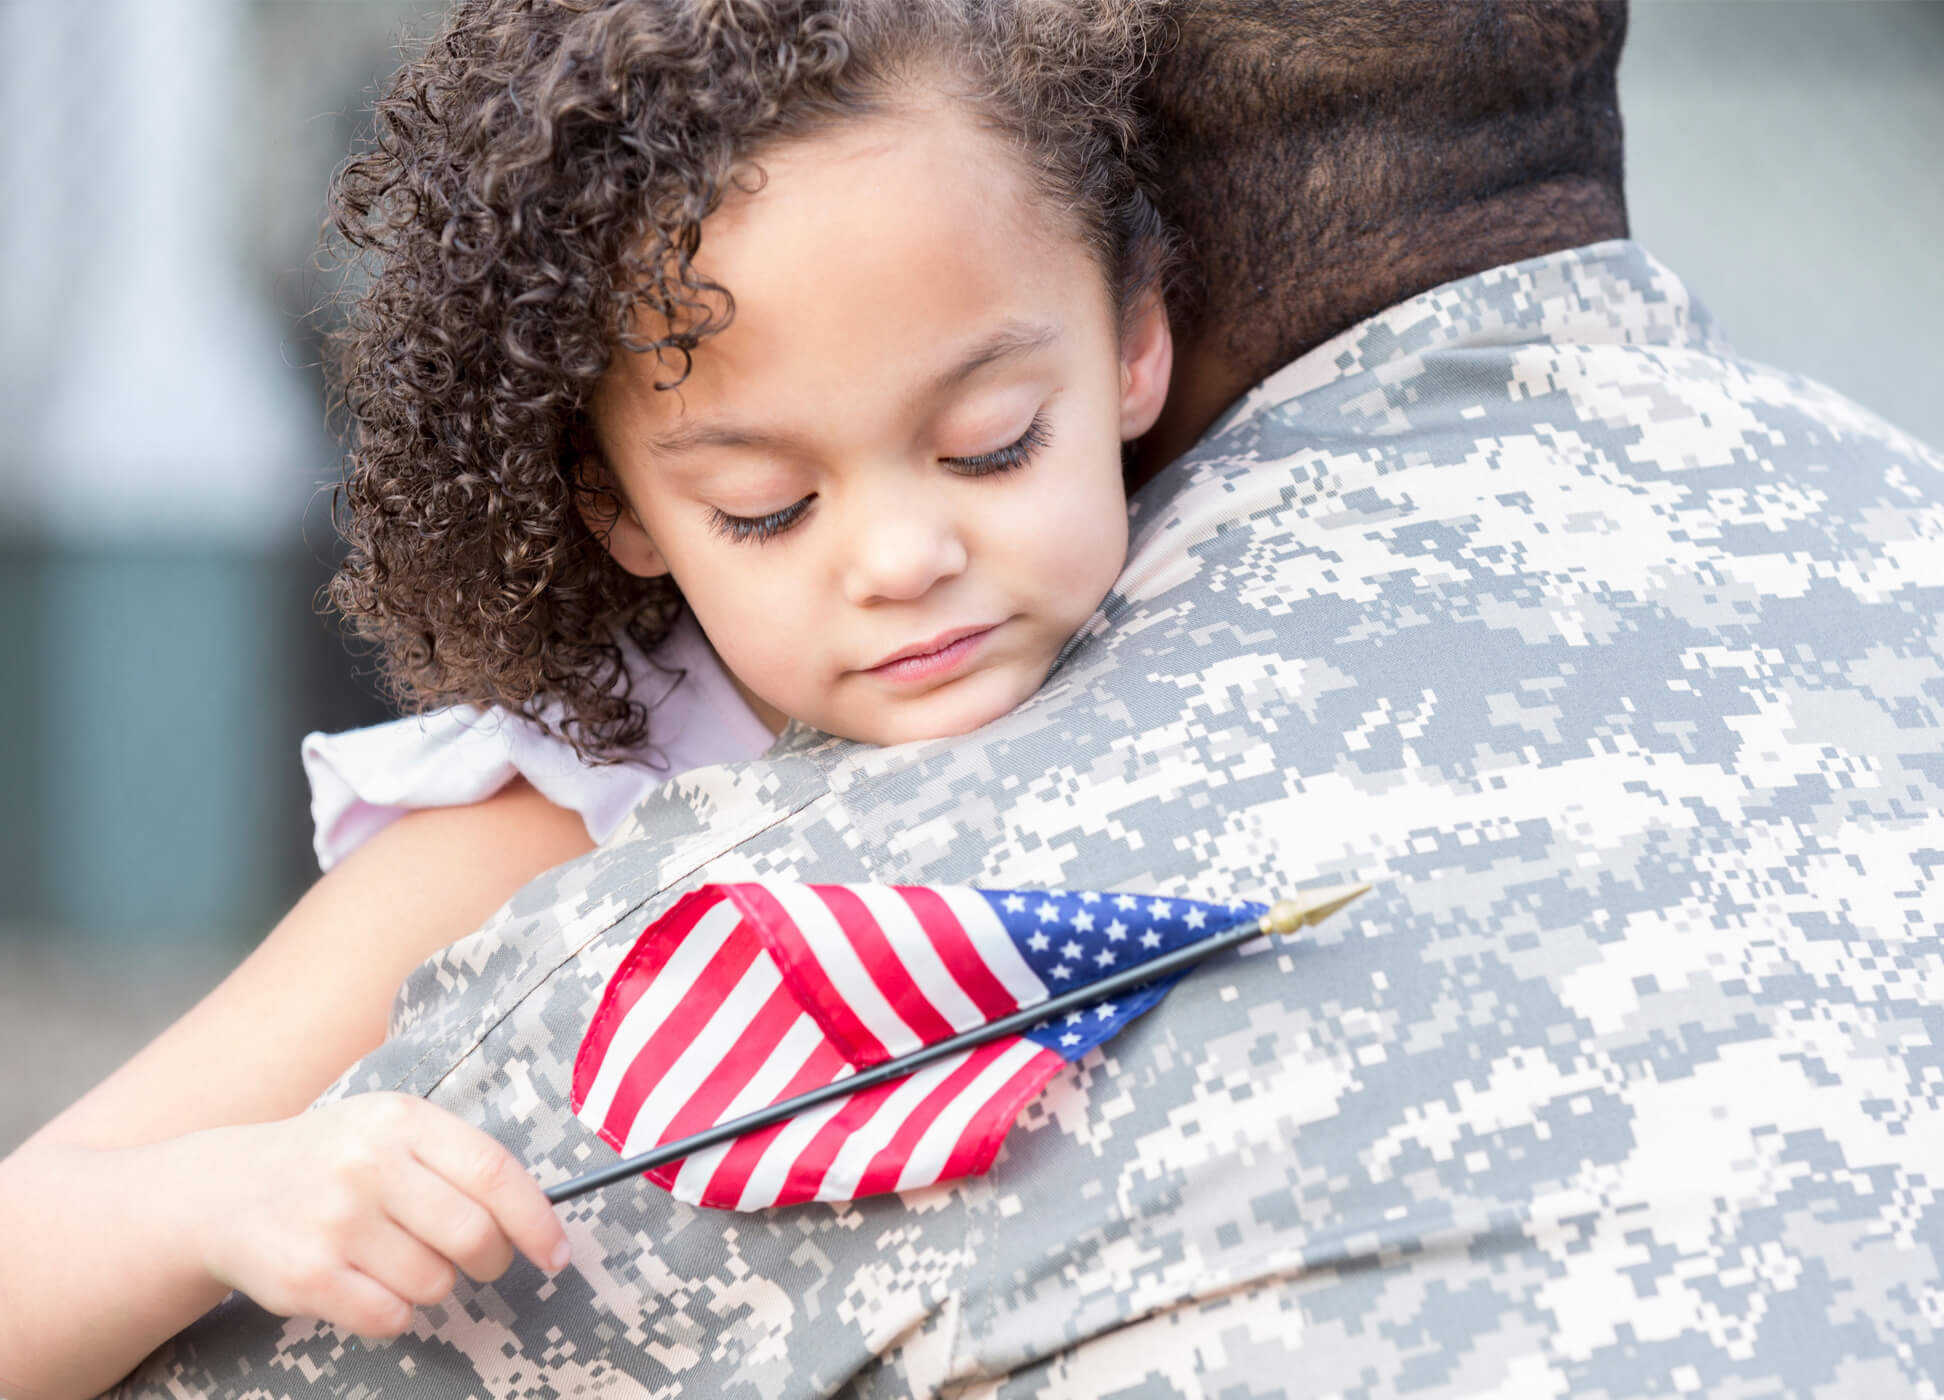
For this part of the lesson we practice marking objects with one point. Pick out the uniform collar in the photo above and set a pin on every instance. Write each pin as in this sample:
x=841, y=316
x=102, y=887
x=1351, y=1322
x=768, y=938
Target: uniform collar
x=1612, y=293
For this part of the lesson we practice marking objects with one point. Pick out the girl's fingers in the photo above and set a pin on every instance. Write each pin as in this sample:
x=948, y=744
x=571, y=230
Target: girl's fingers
x=486, y=1172
x=405, y=1267
x=359, y=1303
x=447, y=1220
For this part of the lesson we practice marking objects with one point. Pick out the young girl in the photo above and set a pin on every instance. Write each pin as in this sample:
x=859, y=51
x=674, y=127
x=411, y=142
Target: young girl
x=834, y=317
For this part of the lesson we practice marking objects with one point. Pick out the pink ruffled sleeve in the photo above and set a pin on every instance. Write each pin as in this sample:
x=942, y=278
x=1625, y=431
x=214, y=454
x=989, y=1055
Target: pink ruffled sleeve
x=362, y=780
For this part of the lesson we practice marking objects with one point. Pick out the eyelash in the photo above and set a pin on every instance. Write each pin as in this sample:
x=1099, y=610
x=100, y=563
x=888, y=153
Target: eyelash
x=1014, y=455
x=743, y=529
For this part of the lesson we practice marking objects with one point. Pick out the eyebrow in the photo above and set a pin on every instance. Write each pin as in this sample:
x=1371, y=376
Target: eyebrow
x=1010, y=340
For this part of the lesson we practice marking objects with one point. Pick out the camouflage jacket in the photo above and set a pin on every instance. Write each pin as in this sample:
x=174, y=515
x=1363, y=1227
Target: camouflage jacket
x=1614, y=662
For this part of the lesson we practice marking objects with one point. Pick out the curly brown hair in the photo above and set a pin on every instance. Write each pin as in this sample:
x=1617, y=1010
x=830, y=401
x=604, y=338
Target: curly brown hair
x=539, y=175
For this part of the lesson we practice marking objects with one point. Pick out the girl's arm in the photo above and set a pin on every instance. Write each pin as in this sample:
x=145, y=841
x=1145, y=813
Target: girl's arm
x=193, y=1167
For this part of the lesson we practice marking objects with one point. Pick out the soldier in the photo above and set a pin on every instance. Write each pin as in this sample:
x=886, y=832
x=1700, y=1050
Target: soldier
x=1487, y=573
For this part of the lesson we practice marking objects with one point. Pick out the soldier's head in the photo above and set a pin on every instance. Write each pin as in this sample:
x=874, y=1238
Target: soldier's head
x=1326, y=159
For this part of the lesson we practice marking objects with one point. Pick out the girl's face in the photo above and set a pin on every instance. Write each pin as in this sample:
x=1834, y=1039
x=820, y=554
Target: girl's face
x=891, y=489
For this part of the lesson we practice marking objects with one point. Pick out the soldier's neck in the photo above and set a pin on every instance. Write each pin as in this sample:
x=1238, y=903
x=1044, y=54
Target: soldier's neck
x=1215, y=365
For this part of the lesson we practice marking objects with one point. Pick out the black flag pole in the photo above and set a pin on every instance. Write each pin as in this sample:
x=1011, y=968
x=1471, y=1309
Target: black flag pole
x=1285, y=916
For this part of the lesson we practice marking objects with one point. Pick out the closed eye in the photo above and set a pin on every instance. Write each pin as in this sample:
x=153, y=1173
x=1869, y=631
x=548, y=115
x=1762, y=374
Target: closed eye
x=747, y=529
x=1015, y=454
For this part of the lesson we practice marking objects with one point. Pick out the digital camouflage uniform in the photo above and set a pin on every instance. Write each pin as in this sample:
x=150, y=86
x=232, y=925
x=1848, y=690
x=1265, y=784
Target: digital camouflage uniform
x=1613, y=661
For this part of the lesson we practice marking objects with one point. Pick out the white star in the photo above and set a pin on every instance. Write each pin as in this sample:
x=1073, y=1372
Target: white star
x=1083, y=921
x=1124, y=901
x=1069, y=1039
x=1150, y=939
x=1014, y=904
x=1105, y=1011
x=1070, y=949
x=1089, y=897
x=1105, y=957
x=1160, y=909
x=1116, y=931
x=1063, y=972
x=1048, y=912
x=1074, y=1018
x=1038, y=941
x=1196, y=918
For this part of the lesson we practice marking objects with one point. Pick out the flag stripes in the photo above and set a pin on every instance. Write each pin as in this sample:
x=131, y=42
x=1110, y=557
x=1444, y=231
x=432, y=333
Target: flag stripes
x=946, y=933
x=647, y=999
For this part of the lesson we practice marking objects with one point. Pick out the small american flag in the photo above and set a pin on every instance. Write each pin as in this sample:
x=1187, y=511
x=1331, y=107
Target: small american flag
x=744, y=995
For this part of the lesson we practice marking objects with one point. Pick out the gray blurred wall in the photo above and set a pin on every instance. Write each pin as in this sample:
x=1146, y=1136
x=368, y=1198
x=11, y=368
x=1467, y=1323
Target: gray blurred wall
x=163, y=527
x=1787, y=159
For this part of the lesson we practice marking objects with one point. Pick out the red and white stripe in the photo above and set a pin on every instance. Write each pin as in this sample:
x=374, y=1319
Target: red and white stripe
x=744, y=995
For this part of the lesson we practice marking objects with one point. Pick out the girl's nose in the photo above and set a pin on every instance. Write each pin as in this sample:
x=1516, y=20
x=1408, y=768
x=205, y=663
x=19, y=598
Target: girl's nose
x=904, y=549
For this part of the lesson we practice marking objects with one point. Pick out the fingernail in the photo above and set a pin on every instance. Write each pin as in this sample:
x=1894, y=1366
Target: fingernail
x=558, y=1259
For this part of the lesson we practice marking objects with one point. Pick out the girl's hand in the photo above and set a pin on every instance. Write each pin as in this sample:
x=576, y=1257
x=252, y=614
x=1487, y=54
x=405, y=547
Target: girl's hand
x=360, y=1210
x=184, y=1174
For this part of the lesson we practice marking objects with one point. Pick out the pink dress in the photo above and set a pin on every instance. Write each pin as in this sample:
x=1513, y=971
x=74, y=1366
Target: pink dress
x=362, y=780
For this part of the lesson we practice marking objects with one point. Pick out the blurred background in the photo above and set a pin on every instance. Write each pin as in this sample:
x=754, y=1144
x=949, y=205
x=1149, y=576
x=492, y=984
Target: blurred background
x=165, y=468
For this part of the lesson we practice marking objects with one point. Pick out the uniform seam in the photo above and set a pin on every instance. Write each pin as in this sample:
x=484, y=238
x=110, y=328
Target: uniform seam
x=528, y=983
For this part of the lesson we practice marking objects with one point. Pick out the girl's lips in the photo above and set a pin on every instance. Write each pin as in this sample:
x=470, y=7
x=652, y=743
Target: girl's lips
x=930, y=660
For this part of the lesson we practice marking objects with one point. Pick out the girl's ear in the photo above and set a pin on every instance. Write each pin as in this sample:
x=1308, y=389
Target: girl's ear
x=1147, y=359
x=614, y=522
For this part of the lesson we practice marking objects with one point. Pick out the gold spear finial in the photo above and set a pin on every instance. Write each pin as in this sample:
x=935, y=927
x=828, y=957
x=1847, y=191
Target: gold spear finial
x=1309, y=907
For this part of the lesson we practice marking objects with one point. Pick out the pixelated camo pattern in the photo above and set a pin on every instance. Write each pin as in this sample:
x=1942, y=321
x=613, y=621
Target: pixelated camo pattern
x=1614, y=661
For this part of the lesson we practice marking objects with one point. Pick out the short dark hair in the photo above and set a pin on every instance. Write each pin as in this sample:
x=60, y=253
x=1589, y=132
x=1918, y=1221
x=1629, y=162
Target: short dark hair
x=1298, y=142
x=540, y=172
